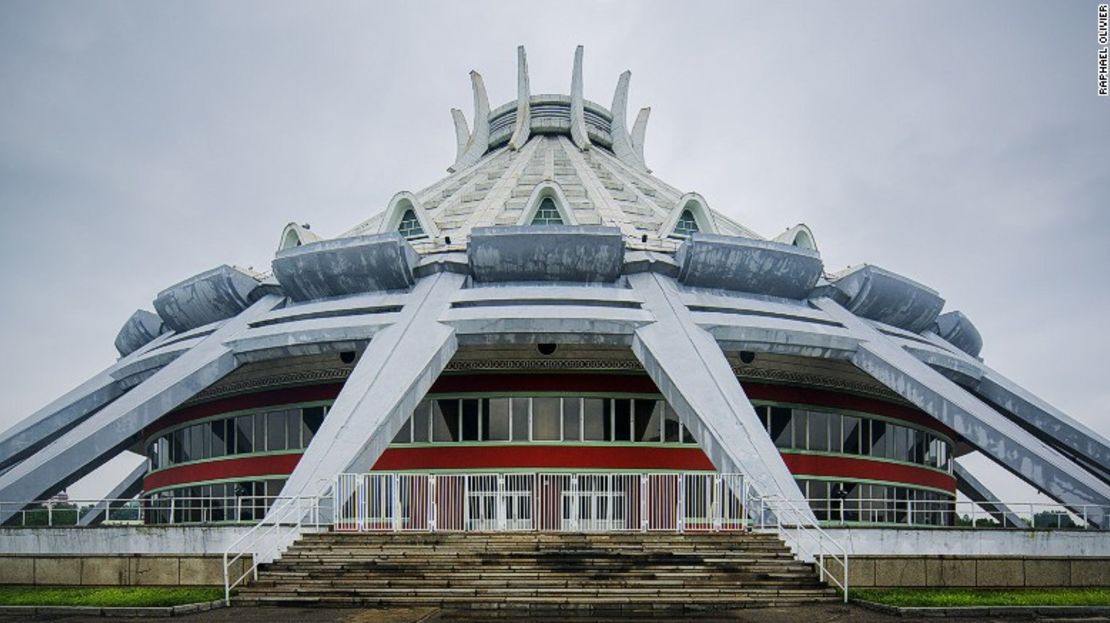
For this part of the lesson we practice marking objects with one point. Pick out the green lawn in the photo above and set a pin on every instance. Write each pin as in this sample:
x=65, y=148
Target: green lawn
x=107, y=596
x=952, y=597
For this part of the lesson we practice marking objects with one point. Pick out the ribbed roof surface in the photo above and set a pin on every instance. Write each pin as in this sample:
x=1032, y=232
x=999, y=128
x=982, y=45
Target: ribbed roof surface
x=599, y=188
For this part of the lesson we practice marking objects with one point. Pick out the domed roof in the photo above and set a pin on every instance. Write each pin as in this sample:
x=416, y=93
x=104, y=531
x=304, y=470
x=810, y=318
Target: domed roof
x=563, y=153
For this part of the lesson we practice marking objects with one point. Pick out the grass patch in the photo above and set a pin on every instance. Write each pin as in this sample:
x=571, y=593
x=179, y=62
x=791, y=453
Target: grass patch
x=955, y=597
x=107, y=596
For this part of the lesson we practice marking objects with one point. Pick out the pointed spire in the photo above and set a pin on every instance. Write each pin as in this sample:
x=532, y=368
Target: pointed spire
x=638, y=132
x=523, y=110
x=618, y=129
x=479, y=139
x=462, y=132
x=578, y=105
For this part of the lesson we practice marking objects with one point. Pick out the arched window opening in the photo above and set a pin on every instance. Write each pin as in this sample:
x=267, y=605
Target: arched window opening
x=291, y=240
x=547, y=213
x=409, y=227
x=685, y=225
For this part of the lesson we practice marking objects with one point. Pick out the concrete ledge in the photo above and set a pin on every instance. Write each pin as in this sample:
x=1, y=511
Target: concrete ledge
x=583, y=253
x=202, y=299
x=130, y=612
x=911, y=571
x=878, y=294
x=122, y=570
x=747, y=265
x=978, y=612
x=346, y=266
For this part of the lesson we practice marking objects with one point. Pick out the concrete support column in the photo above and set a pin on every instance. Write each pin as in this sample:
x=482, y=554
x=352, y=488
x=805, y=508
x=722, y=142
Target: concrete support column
x=989, y=432
x=394, y=373
x=695, y=377
x=115, y=427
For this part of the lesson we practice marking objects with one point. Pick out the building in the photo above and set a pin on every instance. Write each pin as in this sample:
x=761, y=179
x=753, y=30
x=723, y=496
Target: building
x=550, y=307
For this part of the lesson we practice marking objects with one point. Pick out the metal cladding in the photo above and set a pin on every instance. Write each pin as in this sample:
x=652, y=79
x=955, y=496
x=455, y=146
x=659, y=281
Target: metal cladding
x=958, y=331
x=546, y=253
x=346, y=266
x=138, y=331
x=213, y=295
x=747, y=265
x=886, y=297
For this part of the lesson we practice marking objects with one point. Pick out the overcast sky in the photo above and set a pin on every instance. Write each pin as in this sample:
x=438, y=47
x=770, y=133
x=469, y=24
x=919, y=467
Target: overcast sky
x=959, y=144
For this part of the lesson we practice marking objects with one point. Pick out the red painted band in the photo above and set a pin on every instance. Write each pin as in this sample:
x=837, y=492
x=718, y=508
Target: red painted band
x=245, y=467
x=543, y=457
x=802, y=465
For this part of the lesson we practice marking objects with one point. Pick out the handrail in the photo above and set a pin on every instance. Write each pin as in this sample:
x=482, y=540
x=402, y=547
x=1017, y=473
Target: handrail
x=291, y=513
x=807, y=528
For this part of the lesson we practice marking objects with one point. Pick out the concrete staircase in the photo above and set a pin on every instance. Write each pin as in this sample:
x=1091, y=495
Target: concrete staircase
x=539, y=573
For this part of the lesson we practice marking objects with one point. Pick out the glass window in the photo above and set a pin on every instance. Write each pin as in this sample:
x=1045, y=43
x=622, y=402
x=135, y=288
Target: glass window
x=547, y=213
x=801, y=429
x=546, y=419
x=311, y=420
x=622, y=420
x=470, y=430
x=879, y=439
x=445, y=420
x=409, y=227
x=275, y=431
x=260, y=432
x=521, y=415
x=850, y=435
x=781, y=427
x=595, y=423
x=648, y=417
x=572, y=419
x=686, y=224
x=404, y=435
x=217, y=433
x=818, y=431
x=819, y=499
x=672, y=428
x=244, y=434
x=186, y=445
x=495, y=416
x=293, y=429
x=687, y=436
x=198, y=436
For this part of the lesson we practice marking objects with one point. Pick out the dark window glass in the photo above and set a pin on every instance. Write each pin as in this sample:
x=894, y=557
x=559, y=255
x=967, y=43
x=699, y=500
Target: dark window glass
x=672, y=428
x=445, y=420
x=818, y=431
x=622, y=420
x=260, y=432
x=545, y=419
x=495, y=412
x=404, y=435
x=781, y=426
x=878, y=439
x=572, y=414
x=244, y=434
x=275, y=431
x=819, y=499
x=594, y=424
x=520, y=415
x=217, y=432
x=311, y=420
x=196, y=436
x=653, y=421
x=687, y=436
x=421, y=422
x=470, y=419
x=647, y=415
x=850, y=435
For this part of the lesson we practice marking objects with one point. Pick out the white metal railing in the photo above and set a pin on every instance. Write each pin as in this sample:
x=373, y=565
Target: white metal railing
x=550, y=502
x=805, y=536
x=264, y=542
x=117, y=511
x=834, y=512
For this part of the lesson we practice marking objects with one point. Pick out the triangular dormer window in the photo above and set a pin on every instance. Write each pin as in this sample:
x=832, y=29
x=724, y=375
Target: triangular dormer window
x=409, y=227
x=547, y=213
x=685, y=225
